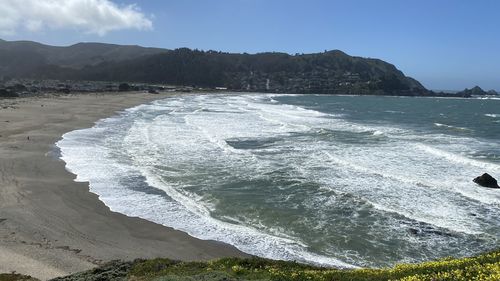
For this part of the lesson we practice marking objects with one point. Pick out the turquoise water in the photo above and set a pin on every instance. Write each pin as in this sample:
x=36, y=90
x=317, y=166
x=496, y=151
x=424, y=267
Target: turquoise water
x=333, y=180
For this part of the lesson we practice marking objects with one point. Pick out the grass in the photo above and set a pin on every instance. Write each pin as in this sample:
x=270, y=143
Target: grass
x=483, y=267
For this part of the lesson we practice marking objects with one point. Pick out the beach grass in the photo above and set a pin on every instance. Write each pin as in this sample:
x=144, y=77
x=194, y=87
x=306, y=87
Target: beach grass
x=482, y=267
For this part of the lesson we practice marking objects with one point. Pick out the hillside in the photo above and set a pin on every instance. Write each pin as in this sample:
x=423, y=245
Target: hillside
x=484, y=267
x=332, y=72
x=25, y=56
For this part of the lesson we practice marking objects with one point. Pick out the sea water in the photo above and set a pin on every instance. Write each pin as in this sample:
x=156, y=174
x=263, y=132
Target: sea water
x=344, y=181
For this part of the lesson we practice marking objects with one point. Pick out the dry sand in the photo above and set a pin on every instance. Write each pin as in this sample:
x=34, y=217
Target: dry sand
x=49, y=224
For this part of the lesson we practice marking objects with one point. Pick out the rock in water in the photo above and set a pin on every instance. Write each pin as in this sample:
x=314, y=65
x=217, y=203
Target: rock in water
x=487, y=181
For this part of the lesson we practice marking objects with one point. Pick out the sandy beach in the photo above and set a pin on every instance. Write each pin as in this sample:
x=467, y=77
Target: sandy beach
x=52, y=226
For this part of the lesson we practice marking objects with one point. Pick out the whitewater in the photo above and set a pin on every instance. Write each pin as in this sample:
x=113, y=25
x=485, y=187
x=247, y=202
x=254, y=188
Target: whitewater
x=347, y=181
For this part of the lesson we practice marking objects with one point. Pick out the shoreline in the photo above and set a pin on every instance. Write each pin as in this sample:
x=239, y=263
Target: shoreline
x=52, y=226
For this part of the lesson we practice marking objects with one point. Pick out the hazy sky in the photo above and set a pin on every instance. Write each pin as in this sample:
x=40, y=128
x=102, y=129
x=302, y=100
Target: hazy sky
x=442, y=43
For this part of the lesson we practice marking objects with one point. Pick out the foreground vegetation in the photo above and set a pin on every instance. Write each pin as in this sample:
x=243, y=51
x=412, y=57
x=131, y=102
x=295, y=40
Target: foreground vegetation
x=483, y=267
x=15, y=277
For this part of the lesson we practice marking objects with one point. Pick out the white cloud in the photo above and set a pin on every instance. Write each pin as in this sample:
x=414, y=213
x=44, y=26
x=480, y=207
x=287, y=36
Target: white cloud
x=89, y=16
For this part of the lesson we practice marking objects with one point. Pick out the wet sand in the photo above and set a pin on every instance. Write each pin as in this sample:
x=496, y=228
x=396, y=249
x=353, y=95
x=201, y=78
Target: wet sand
x=52, y=226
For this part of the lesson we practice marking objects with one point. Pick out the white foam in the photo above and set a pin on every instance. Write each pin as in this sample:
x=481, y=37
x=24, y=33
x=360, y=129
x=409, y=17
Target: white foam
x=451, y=127
x=194, y=134
x=181, y=143
x=492, y=115
x=488, y=98
x=407, y=195
x=457, y=158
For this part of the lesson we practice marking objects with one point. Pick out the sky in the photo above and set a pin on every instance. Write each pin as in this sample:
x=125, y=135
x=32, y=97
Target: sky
x=445, y=44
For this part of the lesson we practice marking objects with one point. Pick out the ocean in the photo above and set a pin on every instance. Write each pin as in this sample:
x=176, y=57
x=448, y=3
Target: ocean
x=347, y=181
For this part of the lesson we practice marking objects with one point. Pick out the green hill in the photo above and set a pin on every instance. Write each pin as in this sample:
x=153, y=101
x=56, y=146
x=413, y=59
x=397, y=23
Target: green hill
x=332, y=72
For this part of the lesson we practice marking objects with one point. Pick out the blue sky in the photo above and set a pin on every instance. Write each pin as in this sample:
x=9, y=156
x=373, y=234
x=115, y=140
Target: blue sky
x=442, y=43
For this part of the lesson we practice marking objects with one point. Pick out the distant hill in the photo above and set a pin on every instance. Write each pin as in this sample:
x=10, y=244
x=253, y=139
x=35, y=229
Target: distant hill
x=26, y=53
x=329, y=72
x=477, y=91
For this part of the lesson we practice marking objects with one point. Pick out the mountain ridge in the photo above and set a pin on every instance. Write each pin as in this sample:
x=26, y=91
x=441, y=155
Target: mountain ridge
x=77, y=55
x=329, y=72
